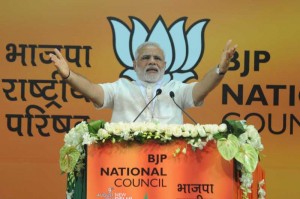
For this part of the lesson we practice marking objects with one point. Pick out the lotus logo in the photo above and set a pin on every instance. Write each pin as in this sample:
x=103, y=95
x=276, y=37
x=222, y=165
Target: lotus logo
x=183, y=48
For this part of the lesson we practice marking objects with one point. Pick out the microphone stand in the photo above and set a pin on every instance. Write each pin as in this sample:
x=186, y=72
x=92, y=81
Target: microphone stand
x=172, y=95
x=158, y=92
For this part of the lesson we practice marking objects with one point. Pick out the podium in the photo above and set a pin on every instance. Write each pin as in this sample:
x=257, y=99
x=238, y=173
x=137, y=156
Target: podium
x=132, y=164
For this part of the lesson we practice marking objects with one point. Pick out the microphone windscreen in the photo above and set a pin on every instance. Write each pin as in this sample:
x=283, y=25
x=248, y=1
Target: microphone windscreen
x=172, y=94
x=158, y=91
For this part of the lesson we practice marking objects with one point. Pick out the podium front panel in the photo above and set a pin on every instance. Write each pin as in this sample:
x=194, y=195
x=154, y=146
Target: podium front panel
x=152, y=171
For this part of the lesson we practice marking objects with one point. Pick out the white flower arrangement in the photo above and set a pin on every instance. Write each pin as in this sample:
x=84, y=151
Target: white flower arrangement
x=261, y=191
x=235, y=140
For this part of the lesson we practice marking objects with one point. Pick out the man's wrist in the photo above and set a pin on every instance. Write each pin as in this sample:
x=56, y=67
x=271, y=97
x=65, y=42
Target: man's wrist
x=219, y=72
x=65, y=78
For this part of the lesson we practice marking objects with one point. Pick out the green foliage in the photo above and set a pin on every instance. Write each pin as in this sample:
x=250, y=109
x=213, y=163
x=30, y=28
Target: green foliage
x=177, y=151
x=70, y=181
x=228, y=147
x=94, y=126
x=248, y=157
x=219, y=136
x=234, y=127
x=69, y=157
x=146, y=196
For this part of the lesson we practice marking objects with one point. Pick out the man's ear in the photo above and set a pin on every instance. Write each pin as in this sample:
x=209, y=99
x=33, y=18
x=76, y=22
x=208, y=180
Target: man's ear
x=164, y=65
x=134, y=64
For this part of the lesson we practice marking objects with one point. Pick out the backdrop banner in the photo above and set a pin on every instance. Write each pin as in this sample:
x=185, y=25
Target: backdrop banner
x=98, y=40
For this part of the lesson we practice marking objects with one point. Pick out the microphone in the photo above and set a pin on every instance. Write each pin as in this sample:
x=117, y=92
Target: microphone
x=158, y=92
x=172, y=95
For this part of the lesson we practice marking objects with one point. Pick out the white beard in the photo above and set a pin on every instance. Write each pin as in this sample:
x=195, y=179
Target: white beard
x=150, y=78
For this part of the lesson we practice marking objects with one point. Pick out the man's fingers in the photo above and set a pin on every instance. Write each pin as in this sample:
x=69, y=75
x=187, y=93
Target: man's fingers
x=58, y=54
x=230, y=52
x=53, y=58
x=227, y=45
x=233, y=49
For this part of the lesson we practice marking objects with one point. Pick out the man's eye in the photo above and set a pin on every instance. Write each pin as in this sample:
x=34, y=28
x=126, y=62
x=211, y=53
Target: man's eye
x=157, y=58
x=145, y=57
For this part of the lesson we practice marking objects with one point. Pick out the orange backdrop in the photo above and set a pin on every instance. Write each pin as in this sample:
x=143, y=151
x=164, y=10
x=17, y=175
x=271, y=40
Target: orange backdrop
x=269, y=93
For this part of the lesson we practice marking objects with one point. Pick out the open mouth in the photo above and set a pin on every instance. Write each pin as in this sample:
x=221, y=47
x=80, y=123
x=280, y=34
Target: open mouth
x=151, y=70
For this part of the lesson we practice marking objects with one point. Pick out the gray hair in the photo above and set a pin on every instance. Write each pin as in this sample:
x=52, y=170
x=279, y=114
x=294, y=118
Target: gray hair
x=147, y=43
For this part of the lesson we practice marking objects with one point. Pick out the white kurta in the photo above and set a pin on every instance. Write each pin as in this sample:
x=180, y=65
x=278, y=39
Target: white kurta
x=127, y=100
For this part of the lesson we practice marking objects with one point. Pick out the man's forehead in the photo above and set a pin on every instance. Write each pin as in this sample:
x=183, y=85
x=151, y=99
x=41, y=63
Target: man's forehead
x=151, y=50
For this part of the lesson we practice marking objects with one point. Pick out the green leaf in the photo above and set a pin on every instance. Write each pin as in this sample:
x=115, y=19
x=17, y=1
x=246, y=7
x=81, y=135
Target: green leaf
x=94, y=126
x=177, y=151
x=69, y=157
x=248, y=157
x=234, y=127
x=70, y=181
x=146, y=196
x=218, y=136
x=228, y=148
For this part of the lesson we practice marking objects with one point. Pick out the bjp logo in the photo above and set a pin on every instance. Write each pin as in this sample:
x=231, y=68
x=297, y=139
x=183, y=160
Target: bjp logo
x=183, y=48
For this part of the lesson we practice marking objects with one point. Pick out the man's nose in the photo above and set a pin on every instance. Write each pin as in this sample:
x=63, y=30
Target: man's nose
x=152, y=60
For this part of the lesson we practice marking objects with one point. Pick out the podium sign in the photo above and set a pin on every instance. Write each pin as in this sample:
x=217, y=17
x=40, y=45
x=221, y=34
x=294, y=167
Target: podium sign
x=151, y=171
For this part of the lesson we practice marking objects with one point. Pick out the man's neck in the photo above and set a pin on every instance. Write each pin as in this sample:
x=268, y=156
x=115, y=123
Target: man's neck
x=151, y=84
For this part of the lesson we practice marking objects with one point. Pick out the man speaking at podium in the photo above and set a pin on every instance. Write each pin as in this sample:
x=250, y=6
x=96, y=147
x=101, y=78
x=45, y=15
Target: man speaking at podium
x=149, y=98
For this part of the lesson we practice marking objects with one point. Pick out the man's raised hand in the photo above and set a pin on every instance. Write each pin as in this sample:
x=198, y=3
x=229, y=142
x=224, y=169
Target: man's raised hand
x=60, y=63
x=226, y=56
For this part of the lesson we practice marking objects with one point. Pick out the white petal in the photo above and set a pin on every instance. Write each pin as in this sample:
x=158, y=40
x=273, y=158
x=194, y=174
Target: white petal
x=121, y=41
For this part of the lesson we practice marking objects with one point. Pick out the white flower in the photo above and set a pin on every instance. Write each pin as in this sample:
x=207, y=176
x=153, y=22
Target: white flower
x=143, y=127
x=201, y=144
x=200, y=129
x=157, y=135
x=161, y=128
x=243, y=138
x=194, y=133
x=136, y=133
x=75, y=136
x=188, y=127
x=126, y=135
x=173, y=130
x=185, y=134
x=126, y=127
x=108, y=127
x=251, y=130
x=87, y=139
x=261, y=192
x=261, y=183
x=222, y=128
x=246, y=182
x=115, y=128
x=72, y=138
x=82, y=128
x=169, y=131
x=176, y=129
x=252, y=137
x=70, y=194
x=197, y=144
x=103, y=134
x=151, y=127
x=211, y=128
x=187, y=130
x=136, y=128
